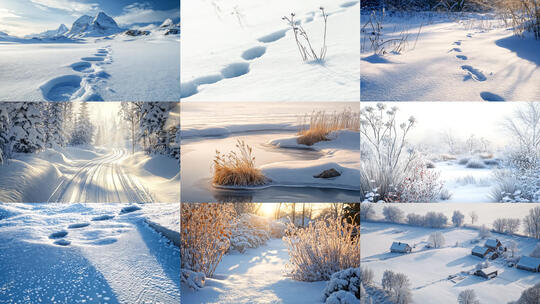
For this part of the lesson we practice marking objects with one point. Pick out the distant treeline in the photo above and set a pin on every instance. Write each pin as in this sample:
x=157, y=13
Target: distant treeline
x=424, y=5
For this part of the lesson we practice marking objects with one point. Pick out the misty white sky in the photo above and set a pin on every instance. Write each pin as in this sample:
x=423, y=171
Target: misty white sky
x=483, y=119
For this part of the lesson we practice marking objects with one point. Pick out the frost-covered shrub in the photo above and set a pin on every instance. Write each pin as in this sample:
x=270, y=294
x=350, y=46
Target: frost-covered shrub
x=436, y=240
x=393, y=214
x=420, y=186
x=343, y=287
x=467, y=296
x=205, y=232
x=530, y=295
x=366, y=211
x=366, y=276
x=491, y=162
x=532, y=223
x=321, y=249
x=435, y=220
x=484, y=232
x=475, y=163
x=249, y=231
x=458, y=218
x=536, y=252
x=415, y=219
x=503, y=225
x=464, y=160
x=397, y=286
x=194, y=280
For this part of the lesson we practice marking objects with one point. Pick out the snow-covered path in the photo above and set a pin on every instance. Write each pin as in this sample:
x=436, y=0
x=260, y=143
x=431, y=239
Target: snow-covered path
x=101, y=179
x=94, y=253
x=257, y=276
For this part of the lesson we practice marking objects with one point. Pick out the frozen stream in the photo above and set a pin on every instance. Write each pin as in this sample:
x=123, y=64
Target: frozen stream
x=198, y=154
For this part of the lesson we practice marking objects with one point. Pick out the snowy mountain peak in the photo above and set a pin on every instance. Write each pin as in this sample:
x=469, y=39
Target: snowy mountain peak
x=100, y=25
x=62, y=29
x=167, y=23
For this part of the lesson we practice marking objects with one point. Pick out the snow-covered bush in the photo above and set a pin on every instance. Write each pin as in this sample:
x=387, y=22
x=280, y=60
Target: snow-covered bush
x=467, y=296
x=205, y=232
x=484, y=232
x=475, y=163
x=397, y=285
x=532, y=223
x=503, y=225
x=366, y=211
x=420, y=186
x=436, y=240
x=321, y=249
x=415, y=219
x=393, y=214
x=343, y=287
x=249, y=231
x=194, y=280
x=435, y=220
x=458, y=218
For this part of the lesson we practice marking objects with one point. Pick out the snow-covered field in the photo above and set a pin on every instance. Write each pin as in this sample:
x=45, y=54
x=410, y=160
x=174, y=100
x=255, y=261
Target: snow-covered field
x=465, y=57
x=290, y=166
x=88, y=253
x=242, y=50
x=256, y=276
x=111, y=66
x=89, y=174
x=429, y=269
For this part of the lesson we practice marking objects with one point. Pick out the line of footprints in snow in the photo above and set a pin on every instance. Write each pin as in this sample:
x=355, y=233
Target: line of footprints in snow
x=81, y=86
x=473, y=73
x=59, y=236
x=238, y=69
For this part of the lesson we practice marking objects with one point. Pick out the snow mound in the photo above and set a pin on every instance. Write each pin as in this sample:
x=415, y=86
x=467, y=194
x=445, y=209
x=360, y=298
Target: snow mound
x=194, y=280
x=250, y=231
x=343, y=287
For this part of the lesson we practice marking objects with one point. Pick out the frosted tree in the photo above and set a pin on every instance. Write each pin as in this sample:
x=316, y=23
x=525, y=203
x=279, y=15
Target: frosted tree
x=26, y=134
x=84, y=130
x=484, y=232
x=474, y=217
x=512, y=247
x=467, y=296
x=393, y=214
x=69, y=120
x=458, y=218
x=536, y=252
x=130, y=112
x=154, y=134
x=436, y=240
x=54, y=125
x=532, y=223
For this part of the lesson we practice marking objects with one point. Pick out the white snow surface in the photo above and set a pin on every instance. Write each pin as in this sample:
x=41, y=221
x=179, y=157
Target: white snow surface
x=87, y=174
x=113, y=68
x=428, y=269
x=242, y=50
x=257, y=276
x=85, y=253
x=467, y=57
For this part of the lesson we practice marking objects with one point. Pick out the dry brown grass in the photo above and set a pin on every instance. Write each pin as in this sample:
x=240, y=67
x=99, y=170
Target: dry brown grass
x=321, y=249
x=317, y=125
x=237, y=169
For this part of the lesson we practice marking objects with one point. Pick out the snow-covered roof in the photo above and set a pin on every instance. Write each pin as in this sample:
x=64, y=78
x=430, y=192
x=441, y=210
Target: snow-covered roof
x=529, y=262
x=492, y=243
x=489, y=270
x=480, y=250
x=399, y=246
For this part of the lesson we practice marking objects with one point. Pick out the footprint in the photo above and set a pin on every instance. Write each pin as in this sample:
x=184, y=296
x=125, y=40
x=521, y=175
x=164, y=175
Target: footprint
x=100, y=75
x=101, y=54
x=105, y=241
x=93, y=58
x=103, y=51
x=102, y=218
x=275, y=36
x=82, y=66
x=58, y=234
x=254, y=52
x=129, y=209
x=62, y=242
x=349, y=4
x=474, y=73
x=457, y=42
x=488, y=96
x=191, y=88
x=462, y=57
x=78, y=225
x=235, y=70
x=61, y=88
x=455, y=50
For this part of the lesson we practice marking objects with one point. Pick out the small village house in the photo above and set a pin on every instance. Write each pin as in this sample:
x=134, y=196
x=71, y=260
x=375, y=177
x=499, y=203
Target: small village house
x=487, y=273
x=481, y=252
x=400, y=247
x=529, y=263
x=493, y=244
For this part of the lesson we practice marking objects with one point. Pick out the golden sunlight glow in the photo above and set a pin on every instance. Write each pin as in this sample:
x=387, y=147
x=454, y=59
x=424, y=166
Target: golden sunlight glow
x=268, y=209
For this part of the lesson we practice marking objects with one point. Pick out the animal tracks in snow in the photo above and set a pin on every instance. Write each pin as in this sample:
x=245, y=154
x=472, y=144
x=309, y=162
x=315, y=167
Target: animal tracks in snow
x=80, y=87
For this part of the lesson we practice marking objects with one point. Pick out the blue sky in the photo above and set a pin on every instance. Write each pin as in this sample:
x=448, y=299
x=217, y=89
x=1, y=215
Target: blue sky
x=22, y=17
